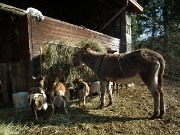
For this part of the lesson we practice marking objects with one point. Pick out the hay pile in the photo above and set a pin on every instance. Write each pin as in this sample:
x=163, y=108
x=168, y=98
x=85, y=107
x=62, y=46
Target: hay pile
x=60, y=55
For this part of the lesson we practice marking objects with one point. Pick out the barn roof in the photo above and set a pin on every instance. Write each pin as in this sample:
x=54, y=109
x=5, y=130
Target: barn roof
x=92, y=14
x=133, y=5
x=10, y=9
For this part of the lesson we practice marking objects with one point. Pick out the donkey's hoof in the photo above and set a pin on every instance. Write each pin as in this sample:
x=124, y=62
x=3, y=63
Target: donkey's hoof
x=153, y=117
x=160, y=116
x=52, y=114
x=101, y=106
x=110, y=103
x=83, y=107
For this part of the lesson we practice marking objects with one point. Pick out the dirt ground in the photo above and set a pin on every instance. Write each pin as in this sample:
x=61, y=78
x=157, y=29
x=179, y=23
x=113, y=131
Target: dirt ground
x=129, y=115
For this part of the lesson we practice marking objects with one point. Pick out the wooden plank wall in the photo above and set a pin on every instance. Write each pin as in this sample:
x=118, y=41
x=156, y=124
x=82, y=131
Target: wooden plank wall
x=55, y=30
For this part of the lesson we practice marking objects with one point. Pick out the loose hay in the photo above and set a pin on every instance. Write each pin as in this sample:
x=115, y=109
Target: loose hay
x=60, y=55
x=127, y=116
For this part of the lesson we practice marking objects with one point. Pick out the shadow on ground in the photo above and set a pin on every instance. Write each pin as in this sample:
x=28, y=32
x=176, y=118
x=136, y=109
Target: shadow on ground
x=76, y=116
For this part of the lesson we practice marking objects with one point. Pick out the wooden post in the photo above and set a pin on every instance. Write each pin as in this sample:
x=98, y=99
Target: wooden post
x=14, y=76
x=41, y=59
x=3, y=78
x=125, y=32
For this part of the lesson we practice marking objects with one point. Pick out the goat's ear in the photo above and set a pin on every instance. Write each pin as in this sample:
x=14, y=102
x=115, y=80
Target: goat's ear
x=43, y=77
x=34, y=78
x=77, y=77
x=80, y=80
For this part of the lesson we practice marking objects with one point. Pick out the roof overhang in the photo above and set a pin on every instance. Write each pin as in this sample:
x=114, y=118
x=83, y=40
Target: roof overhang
x=132, y=5
x=135, y=6
x=11, y=10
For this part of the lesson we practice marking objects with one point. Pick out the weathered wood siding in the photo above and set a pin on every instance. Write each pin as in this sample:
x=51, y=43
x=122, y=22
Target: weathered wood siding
x=14, y=53
x=51, y=30
x=125, y=32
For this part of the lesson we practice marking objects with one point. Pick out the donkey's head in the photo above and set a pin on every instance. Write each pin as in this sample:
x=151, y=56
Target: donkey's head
x=78, y=55
x=77, y=59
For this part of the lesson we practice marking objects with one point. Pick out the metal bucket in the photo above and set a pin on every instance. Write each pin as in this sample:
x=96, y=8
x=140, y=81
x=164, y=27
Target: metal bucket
x=20, y=100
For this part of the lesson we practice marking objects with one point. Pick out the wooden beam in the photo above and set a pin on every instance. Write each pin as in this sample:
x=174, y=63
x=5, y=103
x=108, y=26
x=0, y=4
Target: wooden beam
x=125, y=32
x=135, y=5
x=11, y=10
x=114, y=17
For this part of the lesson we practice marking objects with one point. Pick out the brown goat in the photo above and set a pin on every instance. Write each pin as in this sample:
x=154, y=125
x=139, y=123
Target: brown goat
x=143, y=64
x=58, y=97
x=60, y=74
x=39, y=81
x=83, y=90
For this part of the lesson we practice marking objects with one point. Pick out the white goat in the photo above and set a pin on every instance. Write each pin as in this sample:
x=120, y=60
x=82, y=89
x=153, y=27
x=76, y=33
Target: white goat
x=37, y=97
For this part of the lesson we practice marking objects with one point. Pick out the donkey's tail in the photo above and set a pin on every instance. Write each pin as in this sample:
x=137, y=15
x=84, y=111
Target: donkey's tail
x=161, y=72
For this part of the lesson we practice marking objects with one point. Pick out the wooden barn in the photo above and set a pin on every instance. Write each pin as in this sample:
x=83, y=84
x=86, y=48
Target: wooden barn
x=22, y=38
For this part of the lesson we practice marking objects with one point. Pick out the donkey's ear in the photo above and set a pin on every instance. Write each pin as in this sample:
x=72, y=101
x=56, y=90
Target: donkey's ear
x=86, y=47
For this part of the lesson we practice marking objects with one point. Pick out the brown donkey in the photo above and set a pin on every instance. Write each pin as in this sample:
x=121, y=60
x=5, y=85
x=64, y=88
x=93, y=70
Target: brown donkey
x=141, y=65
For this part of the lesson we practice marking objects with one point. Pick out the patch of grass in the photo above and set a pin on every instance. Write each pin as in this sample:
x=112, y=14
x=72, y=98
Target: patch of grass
x=10, y=129
x=127, y=116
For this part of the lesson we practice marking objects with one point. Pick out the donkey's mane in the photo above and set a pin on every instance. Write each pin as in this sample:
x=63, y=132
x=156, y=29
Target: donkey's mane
x=95, y=52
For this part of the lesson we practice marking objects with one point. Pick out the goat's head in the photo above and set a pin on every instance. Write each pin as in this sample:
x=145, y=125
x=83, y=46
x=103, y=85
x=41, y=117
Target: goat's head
x=77, y=80
x=59, y=73
x=39, y=81
x=39, y=101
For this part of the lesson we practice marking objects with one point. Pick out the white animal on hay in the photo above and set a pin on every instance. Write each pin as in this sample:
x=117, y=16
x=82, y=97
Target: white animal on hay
x=36, y=13
x=95, y=88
